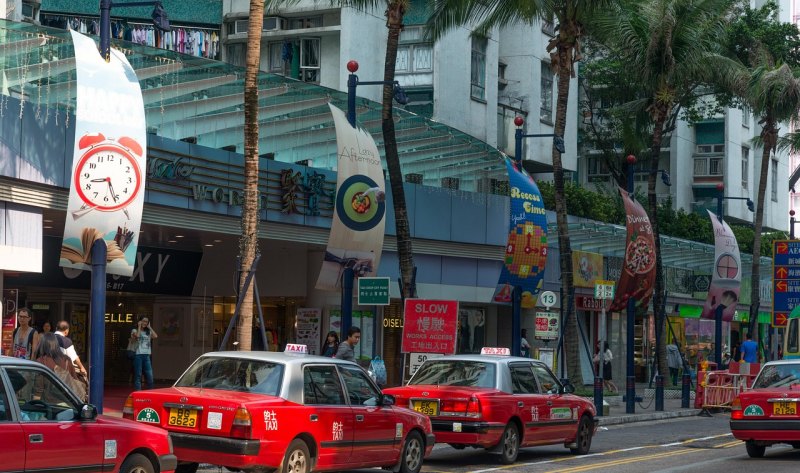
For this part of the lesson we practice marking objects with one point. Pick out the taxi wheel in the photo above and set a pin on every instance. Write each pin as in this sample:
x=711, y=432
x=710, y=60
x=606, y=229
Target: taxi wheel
x=509, y=444
x=187, y=468
x=753, y=450
x=297, y=459
x=583, y=438
x=136, y=463
x=413, y=452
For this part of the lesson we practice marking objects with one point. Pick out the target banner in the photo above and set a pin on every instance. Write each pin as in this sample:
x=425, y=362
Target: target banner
x=727, y=274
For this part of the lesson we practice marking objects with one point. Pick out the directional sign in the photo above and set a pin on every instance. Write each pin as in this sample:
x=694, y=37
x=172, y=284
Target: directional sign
x=785, y=279
x=373, y=291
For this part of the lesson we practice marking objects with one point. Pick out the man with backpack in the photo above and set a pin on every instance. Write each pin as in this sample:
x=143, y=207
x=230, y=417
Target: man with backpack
x=25, y=337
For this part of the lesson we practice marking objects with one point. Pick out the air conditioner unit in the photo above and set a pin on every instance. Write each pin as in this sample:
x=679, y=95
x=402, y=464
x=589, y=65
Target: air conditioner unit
x=240, y=26
x=274, y=23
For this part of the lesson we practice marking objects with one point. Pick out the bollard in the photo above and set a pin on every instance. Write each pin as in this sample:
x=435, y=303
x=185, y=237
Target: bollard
x=598, y=395
x=686, y=381
x=630, y=395
x=659, y=393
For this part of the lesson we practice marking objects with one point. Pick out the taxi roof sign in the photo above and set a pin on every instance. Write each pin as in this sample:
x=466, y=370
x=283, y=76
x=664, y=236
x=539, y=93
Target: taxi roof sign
x=296, y=348
x=503, y=351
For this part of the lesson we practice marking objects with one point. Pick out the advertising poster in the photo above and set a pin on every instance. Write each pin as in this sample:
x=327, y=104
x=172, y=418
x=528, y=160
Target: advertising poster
x=430, y=326
x=526, y=248
x=107, y=182
x=9, y=306
x=472, y=329
x=356, y=237
x=727, y=273
x=586, y=268
x=307, y=328
x=638, y=268
x=547, y=325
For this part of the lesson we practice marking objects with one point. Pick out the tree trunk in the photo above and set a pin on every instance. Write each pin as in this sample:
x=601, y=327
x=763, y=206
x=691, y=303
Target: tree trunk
x=769, y=136
x=405, y=255
x=248, y=244
x=659, y=294
x=570, y=328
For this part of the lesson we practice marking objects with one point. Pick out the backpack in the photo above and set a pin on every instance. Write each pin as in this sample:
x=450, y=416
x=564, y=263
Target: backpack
x=377, y=368
x=76, y=385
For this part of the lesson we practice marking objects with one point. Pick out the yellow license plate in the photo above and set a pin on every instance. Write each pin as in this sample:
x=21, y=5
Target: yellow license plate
x=429, y=408
x=784, y=408
x=182, y=417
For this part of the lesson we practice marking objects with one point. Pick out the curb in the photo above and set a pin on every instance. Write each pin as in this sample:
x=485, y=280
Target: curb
x=630, y=418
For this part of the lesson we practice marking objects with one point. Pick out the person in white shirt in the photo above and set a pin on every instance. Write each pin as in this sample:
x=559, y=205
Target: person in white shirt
x=144, y=335
x=525, y=347
x=62, y=332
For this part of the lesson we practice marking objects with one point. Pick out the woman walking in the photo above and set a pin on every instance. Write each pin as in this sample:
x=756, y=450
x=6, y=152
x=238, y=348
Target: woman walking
x=331, y=344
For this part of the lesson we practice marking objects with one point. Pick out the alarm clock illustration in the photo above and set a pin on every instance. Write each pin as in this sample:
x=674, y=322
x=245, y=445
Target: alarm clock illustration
x=107, y=176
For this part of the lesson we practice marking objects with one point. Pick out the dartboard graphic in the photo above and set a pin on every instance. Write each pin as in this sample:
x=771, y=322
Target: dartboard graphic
x=727, y=266
x=358, y=209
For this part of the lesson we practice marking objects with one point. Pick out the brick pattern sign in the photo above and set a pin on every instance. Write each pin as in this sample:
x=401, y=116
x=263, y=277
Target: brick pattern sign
x=430, y=326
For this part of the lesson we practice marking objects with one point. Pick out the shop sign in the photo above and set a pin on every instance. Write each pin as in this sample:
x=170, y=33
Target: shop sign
x=430, y=326
x=546, y=325
x=119, y=318
x=373, y=291
x=588, y=303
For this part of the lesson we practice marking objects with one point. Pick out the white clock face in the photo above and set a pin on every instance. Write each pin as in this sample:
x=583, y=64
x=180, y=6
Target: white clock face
x=107, y=177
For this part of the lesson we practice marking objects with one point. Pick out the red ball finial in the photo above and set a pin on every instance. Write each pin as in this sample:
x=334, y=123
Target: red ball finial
x=720, y=187
x=631, y=159
x=519, y=121
x=791, y=213
x=352, y=66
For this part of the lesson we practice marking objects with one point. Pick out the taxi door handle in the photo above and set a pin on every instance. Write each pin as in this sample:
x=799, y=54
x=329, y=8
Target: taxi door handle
x=36, y=438
x=549, y=403
x=313, y=418
x=520, y=404
x=359, y=418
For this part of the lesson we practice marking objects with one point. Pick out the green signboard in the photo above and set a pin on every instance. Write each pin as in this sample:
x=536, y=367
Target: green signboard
x=373, y=291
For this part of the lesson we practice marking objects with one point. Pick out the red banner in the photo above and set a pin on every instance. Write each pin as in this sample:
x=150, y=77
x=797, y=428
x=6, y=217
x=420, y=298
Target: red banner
x=430, y=326
x=638, y=268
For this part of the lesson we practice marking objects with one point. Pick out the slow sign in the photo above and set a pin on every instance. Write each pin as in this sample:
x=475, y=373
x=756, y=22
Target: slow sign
x=430, y=326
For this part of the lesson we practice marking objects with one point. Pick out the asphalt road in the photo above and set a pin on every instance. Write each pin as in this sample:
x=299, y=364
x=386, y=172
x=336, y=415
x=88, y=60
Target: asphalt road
x=690, y=444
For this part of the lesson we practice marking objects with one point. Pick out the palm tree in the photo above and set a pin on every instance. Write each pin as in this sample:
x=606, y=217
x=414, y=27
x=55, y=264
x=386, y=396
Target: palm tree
x=248, y=244
x=565, y=50
x=670, y=44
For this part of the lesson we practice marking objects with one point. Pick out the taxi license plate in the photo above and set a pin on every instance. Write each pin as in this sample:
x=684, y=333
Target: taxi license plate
x=429, y=408
x=182, y=417
x=784, y=408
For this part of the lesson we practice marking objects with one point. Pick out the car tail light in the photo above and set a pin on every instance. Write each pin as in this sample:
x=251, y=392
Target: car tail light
x=242, y=424
x=461, y=407
x=127, y=409
x=474, y=407
x=736, y=409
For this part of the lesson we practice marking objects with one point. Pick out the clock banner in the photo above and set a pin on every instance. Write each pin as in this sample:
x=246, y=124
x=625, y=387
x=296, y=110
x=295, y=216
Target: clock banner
x=356, y=237
x=106, y=192
x=526, y=249
x=639, y=264
x=726, y=277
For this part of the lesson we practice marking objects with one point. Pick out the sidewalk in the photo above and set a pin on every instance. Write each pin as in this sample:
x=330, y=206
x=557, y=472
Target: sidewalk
x=646, y=410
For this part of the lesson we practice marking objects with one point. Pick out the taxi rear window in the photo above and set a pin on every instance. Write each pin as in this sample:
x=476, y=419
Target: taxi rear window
x=777, y=376
x=456, y=373
x=231, y=374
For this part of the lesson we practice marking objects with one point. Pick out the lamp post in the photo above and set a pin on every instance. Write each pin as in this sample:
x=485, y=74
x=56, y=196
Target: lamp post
x=792, y=221
x=160, y=21
x=630, y=375
x=516, y=293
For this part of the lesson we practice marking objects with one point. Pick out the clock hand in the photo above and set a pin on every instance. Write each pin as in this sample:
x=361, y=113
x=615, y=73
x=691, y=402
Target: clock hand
x=102, y=179
x=111, y=188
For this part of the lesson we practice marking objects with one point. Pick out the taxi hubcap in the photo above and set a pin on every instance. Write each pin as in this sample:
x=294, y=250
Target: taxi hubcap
x=413, y=454
x=297, y=462
x=511, y=442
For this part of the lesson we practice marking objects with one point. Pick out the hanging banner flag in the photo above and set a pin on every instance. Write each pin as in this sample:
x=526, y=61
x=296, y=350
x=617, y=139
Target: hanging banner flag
x=727, y=275
x=356, y=237
x=526, y=250
x=639, y=266
x=106, y=192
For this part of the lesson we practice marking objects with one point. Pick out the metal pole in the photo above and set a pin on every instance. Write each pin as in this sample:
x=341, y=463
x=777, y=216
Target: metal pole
x=598, y=380
x=720, y=196
x=686, y=381
x=630, y=380
x=791, y=228
x=97, y=330
x=347, y=300
x=516, y=329
x=518, y=146
x=352, y=82
x=718, y=335
x=105, y=29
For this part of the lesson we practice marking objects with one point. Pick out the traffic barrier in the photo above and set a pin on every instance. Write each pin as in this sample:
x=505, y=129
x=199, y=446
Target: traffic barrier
x=718, y=389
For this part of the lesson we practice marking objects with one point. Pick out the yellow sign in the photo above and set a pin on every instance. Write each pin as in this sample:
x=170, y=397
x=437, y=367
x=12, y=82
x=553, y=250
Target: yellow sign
x=587, y=268
x=119, y=318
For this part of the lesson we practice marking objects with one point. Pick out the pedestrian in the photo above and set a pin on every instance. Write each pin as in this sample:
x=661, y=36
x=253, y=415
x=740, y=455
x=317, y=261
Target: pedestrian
x=525, y=347
x=144, y=335
x=25, y=337
x=674, y=361
x=46, y=328
x=62, y=335
x=749, y=349
x=736, y=353
x=50, y=354
x=346, y=348
x=607, y=373
x=331, y=344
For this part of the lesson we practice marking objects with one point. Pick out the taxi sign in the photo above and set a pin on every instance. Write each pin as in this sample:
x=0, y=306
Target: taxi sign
x=296, y=348
x=504, y=351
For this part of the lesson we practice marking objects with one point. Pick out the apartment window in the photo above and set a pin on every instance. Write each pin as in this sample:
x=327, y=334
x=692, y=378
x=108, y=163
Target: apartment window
x=774, y=180
x=710, y=149
x=301, y=23
x=275, y=62
x=708, y=166
x=596, y=167
x=746, y=116
x=413, y=54
x=745, y=166
x=478, y=89
x=546, y=110
x=309, y=59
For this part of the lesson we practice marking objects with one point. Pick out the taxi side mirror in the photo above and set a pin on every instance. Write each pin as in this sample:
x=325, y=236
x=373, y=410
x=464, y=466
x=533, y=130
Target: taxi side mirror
x=388, y=400
x=567, y=389
x=88, y=412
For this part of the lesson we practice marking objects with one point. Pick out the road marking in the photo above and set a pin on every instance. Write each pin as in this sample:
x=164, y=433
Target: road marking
x=624, y=461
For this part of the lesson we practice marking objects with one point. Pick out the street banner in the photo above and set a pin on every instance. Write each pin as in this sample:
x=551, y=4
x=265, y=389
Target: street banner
x=107, y=183
x=430, y=326
x=356, y=237
x=587, y=268
x=638, y=268
x=526, y=249
x=727, y=273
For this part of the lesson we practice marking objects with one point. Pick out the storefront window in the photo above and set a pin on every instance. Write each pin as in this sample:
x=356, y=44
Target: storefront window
x=700, y=340
x=471, y=329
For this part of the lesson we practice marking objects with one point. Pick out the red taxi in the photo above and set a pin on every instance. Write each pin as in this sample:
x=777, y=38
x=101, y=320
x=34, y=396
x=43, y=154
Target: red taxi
x=44, y=427
x=283, y=411
x=767, y=414
x=499, y=403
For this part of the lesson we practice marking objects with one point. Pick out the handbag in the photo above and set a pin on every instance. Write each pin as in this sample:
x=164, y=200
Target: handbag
x=79, y=386
x=378, y=370
x=130, y=352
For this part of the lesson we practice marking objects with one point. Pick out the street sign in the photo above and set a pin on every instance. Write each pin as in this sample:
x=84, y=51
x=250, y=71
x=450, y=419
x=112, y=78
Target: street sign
x=548, y=299
x=373, y=291
x=604, y=289
x=430, y=326
x=785, y=280
x=546, y=326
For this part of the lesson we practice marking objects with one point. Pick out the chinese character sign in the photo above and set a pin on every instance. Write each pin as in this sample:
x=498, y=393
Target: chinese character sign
x=430, y=326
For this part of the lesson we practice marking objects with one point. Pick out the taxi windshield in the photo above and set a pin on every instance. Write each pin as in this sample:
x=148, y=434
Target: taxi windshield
x=233, y=374
x=455, y=373
x=778, y=376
